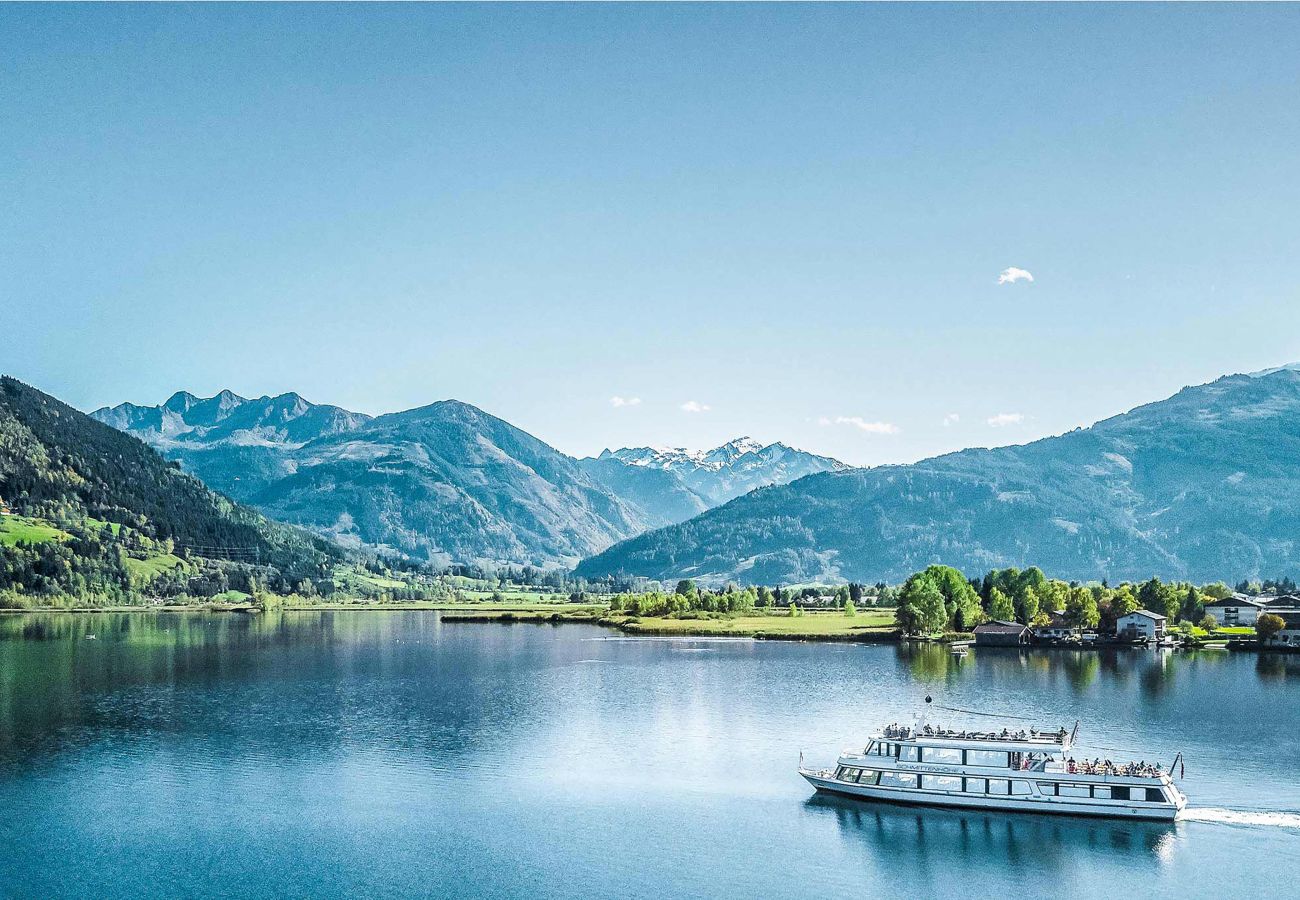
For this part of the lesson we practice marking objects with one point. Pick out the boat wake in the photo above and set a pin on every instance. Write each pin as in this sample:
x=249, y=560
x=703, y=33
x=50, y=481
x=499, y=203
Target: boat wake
x=1241, y=817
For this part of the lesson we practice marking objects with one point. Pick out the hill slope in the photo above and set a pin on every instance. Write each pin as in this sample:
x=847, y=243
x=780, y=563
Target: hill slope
x=1203, y=485
x=447, y=482
x=450, y=482
x=59, y=465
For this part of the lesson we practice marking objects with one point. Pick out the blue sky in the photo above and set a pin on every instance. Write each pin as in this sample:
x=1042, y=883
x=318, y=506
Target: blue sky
x=783, y=221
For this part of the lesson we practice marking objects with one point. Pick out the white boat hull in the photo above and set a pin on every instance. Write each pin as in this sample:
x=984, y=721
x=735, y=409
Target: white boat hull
x=1117, y=809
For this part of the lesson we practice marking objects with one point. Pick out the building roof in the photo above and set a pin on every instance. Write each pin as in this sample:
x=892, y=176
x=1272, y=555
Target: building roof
x=1237, y=600
x=1143, y=612
x=999, y=627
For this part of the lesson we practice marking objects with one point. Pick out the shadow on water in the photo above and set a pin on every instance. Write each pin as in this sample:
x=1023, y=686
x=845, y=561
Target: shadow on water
x=902, y=840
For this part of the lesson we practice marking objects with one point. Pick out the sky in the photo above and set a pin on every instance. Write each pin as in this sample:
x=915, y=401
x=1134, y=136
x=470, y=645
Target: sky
x=876, y=232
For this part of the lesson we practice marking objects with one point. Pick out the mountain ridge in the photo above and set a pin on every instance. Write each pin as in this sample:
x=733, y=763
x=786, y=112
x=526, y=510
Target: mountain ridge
x=1196, y=485
x=445, y=481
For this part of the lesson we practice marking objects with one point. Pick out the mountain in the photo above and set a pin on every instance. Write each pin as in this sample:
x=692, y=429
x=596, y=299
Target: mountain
x=1203, y=485
x=451, y=483
x=673, y=484
x=234, y=444
x=445, y=482
x=57, y=465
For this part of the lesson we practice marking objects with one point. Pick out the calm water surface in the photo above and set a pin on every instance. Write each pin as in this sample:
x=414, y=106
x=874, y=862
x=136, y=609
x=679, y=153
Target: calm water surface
x=388, y=754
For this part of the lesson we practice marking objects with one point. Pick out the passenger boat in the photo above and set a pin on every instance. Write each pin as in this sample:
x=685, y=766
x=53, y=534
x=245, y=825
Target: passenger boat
x=1011, y=770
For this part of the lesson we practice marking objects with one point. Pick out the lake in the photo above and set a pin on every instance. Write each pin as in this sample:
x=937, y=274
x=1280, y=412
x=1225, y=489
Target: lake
x=386, y=754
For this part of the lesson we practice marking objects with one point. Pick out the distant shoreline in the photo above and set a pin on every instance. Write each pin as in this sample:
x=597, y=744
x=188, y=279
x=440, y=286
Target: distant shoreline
x=821, y=627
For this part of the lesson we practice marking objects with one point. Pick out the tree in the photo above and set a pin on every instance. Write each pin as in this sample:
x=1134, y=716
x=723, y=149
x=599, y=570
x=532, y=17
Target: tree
x=1216, y=591
x=1268, y=625
x=1001, y=607
x=1027, y=603
x=850, y=610
x=686, y=588
x=794, y=610
x=1210, y=624
x=1160, y=598
x=1081, y=608
x=1193, y=607
x=921, y=608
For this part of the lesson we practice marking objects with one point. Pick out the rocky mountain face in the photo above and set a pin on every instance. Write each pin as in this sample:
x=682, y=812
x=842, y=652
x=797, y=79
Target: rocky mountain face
x=1203, y=485
x=447, y=482
x=673, y=484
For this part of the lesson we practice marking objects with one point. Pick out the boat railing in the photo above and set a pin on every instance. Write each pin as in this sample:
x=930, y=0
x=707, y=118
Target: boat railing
x=907, y=733
x=1106, y=767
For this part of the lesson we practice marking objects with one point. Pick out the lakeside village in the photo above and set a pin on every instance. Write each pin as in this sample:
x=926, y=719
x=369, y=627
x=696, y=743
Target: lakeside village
x=1005, y=608
x=1011, y=608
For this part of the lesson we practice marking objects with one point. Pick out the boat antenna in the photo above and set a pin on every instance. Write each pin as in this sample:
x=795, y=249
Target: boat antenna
x=1074, y=732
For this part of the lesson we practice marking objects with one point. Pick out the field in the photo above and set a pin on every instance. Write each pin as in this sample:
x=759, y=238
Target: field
x=145, y=569
x=867, y=624
x=20, y=528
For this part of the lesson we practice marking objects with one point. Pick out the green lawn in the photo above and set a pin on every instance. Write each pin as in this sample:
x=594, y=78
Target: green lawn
x=20, y=528
x=812, y=624
x=145, y=569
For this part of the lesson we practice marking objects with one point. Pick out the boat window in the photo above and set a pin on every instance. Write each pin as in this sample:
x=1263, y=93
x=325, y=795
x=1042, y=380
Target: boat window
x=994, y=758
x=948, y=755
x=868, y=776
x=999, y=786
x=897, y=779
x=1155, y=795
x=908, y=754
x=1020, y=787
x=941, y=782
x=976, y=785
x=1073, y=790
x=1119, y=793
x=884, y=750
x=1101, y=791
x=852, y=774
x=1047, y=788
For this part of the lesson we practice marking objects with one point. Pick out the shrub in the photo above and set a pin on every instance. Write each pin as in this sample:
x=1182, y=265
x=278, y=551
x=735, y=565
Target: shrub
x=1268, y=625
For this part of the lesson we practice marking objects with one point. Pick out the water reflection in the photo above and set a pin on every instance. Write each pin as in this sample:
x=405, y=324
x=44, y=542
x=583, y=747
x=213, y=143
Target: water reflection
x=274, y=684
x=903, y=841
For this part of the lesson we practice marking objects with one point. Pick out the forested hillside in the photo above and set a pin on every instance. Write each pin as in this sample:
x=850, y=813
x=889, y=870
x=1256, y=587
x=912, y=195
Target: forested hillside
x=95, y=513
x=1203, y=485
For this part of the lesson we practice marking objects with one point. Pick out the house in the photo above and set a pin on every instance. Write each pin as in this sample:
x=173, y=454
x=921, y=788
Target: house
x=1140, y=625
x=1001, y=634
x=1289, y=637
x=4, y=509
x=1056, y=630
x=1237, y=609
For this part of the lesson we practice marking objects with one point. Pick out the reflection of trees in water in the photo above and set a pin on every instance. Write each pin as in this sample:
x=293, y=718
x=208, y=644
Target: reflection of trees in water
x=282, y=682
x=905, y=841
x=932, y=663
x=1277, y=666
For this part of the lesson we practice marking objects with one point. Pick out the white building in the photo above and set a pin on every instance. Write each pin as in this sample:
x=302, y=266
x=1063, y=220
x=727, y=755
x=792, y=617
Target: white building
x=1237, y=609
x=1140, y=625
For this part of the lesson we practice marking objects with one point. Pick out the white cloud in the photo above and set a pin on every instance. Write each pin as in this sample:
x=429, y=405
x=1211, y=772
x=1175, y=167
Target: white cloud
x=1003, y=419
x=861, y=424
x=951, y=419
x=1011, y=275
x=695, y=406
x=624, y=401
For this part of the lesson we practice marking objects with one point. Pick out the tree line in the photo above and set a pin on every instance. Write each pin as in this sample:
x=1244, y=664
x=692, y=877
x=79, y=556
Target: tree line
x=940, y=598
